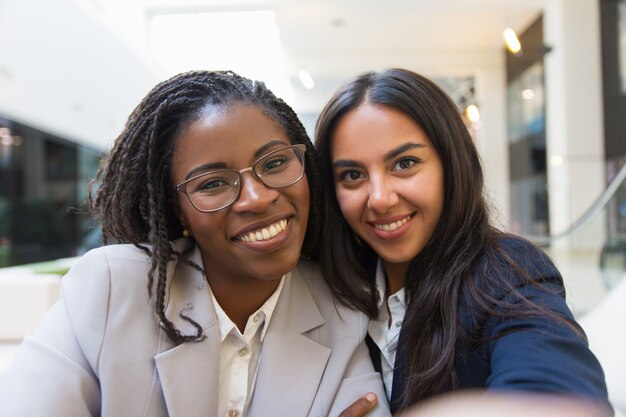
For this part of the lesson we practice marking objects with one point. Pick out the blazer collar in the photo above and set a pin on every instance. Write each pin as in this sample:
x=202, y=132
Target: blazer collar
x=291, y=358
x=189, y=373
x=189, y=376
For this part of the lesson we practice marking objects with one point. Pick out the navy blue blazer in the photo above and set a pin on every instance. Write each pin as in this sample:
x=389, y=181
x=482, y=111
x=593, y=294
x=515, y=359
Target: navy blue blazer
x=532, y=353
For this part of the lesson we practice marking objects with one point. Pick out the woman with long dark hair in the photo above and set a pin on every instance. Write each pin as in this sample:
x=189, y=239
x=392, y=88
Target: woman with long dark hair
x=454, y=302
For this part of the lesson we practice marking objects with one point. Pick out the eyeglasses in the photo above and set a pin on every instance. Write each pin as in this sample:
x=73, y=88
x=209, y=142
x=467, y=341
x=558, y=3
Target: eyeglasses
x=216, y=190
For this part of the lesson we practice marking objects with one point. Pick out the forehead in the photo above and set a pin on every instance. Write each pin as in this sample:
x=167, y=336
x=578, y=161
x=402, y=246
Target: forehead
x=229, y=135
x=373, y=128
x=234, y=123
x=220, y=130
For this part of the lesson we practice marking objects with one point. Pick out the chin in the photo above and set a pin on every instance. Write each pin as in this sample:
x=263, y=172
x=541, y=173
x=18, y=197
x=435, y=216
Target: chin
x=271, y=271
x=395, y=258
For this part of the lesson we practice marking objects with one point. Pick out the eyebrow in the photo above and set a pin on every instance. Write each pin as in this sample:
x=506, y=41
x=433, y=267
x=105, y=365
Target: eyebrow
x=221, y=165
x=259, y=152
x=402, y=148
x=348, y=163
x=205, y=168
x=345, y=163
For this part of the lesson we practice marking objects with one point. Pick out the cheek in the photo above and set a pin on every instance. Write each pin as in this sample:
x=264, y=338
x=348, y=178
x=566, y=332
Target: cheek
x=350, y=203
x=432, y=193
x=192, y=219
x=438, y=188
x=305, y=197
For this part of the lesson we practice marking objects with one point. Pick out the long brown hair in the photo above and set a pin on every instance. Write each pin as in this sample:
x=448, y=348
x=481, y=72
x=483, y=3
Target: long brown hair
x=445, y=273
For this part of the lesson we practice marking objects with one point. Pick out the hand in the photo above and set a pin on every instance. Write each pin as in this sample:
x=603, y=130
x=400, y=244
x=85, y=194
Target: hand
x=360, y=407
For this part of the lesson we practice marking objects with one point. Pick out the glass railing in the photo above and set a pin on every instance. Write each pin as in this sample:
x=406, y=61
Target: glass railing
x=591, y=253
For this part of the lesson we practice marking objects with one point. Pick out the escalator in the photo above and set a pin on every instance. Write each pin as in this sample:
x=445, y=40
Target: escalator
x=597, y=240
x=591, y=255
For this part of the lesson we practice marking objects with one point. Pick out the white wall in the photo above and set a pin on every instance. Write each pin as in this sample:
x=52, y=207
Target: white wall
x=575, y=136
x=575, y=129
x=62, y=72
x=492, y=139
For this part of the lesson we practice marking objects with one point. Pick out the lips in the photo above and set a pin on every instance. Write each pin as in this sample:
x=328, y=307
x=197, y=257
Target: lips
x=390, y=227
x=264, y=233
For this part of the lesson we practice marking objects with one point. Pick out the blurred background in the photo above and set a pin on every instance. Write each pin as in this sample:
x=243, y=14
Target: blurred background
x=540, y=83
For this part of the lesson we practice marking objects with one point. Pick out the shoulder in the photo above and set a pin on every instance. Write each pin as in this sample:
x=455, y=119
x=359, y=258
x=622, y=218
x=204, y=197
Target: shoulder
x=119, y=260
x=120, y=252
x=516, y=277
x=109, y=278
x=113, y=253
x=519, y=247
x=343, y=320
x=98, y=266
x=120, y=270
x=512, y=275
x=310, y=272
x=91, y=280
x=518, y=261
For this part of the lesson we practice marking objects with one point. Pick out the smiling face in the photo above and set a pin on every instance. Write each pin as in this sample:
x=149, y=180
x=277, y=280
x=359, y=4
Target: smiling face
x=260, y=235
x=389, y=181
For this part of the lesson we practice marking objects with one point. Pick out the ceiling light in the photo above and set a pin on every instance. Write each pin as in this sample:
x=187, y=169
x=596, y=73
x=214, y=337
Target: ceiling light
x=512, y=41
x=527, y=94
x=472, y=113
x=306, y=80
x=556, y=160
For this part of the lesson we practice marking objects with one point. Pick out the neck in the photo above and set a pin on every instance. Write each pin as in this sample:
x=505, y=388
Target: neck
x=241, y=298
x=396, y=276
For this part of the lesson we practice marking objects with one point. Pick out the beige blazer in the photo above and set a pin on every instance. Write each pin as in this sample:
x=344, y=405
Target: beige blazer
x=101, y=352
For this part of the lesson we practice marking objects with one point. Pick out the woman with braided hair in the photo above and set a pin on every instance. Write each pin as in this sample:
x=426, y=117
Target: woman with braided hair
x=206, y=299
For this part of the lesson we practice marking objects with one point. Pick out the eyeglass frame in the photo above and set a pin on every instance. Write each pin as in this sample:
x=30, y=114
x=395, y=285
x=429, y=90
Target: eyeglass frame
x=182, y=187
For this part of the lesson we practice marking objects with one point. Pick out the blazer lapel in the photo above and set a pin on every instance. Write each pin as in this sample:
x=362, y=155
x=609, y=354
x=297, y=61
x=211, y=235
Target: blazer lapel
x=290, y=361
x=189, y=372
x=189, y=375
x=398, y=373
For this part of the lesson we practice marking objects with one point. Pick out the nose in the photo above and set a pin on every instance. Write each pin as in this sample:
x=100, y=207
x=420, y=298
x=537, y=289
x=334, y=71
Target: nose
x=254, y=195
x=382, y=195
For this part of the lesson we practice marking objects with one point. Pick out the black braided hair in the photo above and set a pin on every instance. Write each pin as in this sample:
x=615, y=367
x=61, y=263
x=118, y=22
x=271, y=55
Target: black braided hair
x=134, y=196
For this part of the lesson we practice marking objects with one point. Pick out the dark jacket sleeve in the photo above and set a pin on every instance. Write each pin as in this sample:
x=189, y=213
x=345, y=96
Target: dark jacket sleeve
x=539, y=353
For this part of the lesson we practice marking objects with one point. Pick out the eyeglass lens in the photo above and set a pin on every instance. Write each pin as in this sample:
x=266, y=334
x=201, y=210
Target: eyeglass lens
x=218, y=189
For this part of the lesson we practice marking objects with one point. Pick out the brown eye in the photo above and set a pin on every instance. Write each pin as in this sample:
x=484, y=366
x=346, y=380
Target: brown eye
x=349, y=176
x=405, y=163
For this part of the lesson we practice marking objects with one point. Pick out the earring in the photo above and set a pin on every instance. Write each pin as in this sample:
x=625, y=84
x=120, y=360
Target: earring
x=185, y=233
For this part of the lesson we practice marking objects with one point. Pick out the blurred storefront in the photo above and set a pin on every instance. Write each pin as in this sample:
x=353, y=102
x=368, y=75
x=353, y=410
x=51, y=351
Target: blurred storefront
x=43, y=193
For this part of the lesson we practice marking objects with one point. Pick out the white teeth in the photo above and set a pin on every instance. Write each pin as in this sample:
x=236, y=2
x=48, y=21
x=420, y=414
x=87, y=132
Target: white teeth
x=390, y=227
x=264, y=233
